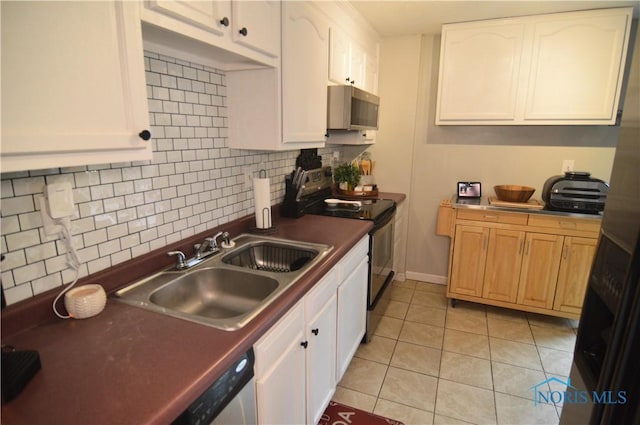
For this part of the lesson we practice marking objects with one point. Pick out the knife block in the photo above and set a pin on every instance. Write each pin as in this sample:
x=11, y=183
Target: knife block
x=291, y=207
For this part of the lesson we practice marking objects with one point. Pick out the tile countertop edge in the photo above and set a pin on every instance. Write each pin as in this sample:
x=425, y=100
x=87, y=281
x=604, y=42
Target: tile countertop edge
x=129, y=365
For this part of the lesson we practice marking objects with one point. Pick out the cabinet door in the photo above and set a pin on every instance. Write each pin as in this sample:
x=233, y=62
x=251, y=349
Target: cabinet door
x=73, y=87
x=575, y=266
x=339, y=60
x=479, y=71
x=280, y=371
x=256, y=24
x=469, y=258
x=305, y=56
x=370, y=83
x=504, y=259
x=540, y=270
x=203, y=14
x=321, y=360
x=352, y=315
x=357, y=64
x=576, y=68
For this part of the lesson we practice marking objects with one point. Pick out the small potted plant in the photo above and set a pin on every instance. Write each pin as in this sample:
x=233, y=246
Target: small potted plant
x=347, y=176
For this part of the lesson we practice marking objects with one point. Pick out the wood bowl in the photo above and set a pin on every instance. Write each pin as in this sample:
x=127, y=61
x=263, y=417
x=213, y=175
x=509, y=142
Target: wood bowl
x=513, y=193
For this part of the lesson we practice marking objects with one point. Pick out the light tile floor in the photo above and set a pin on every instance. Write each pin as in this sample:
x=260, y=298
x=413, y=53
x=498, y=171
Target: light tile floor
x=429, y=363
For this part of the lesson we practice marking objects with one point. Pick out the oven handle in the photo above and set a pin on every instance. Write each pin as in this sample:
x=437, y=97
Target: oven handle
x=386, y=283
x=383, y=219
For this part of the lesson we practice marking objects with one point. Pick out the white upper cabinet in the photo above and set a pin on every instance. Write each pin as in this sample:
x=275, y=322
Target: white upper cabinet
x=305, y=55
x=253, y=25
x=350, y=63
x=577, y=66
x=284, y=108
x=229, y=34
x=558, y=69
x=73, y=85
x=212, y=16
x=479, y=71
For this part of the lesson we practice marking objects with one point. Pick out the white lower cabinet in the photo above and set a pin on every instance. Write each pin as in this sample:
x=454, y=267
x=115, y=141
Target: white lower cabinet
x=320, y=327
x=352, y=314
x=301, y=358
x=280, y=371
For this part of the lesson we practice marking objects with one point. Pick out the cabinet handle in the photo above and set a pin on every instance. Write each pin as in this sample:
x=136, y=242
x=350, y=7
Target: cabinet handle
x=526, y=250
x=567, y=224
x=484, y=243
x=315, y=331
x=566, y=252
x=225, y=21
x=145, y=135
x=304, y=344
x=243, y=31
x=521, y=245
x=491, y=217
x=353, y=81
x=348, y=80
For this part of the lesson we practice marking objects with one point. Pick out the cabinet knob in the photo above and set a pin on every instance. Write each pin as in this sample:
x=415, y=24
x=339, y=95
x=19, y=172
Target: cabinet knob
x=225, y=21
x=348, y=80
x=145, y=135
x=244, y=31
x=315, y=331
x=353, y=81
x=304, y=344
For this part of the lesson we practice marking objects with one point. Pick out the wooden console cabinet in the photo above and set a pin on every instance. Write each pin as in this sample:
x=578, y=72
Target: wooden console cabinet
x=526, y=261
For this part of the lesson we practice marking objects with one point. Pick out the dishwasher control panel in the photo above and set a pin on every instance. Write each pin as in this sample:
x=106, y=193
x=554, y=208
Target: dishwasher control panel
x=206, y=407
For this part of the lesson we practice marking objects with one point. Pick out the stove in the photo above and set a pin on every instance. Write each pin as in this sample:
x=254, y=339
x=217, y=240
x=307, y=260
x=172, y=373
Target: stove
x=310, y=192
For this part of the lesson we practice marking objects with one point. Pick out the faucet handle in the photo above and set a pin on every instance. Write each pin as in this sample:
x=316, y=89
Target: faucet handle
x=181, y=264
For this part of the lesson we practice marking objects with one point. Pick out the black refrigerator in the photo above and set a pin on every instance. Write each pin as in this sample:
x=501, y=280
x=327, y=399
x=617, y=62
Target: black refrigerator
x=605, y=374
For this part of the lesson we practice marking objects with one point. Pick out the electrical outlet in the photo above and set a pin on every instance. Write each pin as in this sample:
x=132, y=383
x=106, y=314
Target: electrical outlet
x=336, y=155
x=567, y=165
x=248, y=176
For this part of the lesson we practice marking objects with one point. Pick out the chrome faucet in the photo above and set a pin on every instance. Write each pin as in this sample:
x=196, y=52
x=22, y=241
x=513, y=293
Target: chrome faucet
x=182, y=263
x=208, y=245
x=225, y=237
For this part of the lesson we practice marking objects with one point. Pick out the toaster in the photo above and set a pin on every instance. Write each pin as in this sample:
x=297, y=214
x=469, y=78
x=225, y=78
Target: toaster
x=575, y=191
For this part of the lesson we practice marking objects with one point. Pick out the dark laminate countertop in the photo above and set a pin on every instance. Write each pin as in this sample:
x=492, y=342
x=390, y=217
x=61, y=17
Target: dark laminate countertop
x=132, y=366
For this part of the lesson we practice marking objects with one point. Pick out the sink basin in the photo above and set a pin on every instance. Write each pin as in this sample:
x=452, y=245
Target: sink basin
x=271, y=256
x=231, y=288
x=214, y=293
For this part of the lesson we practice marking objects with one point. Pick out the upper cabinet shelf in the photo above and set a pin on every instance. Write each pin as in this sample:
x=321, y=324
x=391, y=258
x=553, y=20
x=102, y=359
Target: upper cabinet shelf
x=558, y=69
x=73, y=87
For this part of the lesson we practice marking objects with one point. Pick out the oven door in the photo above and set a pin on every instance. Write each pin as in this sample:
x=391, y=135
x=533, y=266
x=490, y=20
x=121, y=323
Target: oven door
x=382, y=241
x=380, y=274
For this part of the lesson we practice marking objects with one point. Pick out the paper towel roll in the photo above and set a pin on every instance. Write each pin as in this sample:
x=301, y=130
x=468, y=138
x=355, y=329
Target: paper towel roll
x=262, y=201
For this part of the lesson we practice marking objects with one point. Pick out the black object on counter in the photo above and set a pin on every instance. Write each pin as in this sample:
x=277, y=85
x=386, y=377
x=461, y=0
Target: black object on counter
x=18, y=367
x=309, y=159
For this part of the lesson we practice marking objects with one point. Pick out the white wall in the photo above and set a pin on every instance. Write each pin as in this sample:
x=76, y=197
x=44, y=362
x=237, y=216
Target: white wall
x=425, y=161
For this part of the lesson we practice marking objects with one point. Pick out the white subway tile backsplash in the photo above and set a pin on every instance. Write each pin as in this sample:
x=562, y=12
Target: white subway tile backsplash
x=29, y=272
x=23, y=239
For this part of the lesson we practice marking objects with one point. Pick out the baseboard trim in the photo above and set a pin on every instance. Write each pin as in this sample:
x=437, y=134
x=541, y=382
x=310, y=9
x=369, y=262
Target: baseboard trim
x=425, y=277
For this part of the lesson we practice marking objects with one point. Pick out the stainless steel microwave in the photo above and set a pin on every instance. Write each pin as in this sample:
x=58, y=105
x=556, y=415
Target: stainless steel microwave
x=350, y=108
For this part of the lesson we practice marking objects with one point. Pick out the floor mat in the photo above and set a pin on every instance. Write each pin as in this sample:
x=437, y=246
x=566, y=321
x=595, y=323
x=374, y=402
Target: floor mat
x=339, y=414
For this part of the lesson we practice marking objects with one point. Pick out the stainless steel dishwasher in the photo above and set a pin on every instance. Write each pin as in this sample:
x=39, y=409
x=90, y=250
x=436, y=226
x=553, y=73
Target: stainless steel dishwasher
x=230, y=400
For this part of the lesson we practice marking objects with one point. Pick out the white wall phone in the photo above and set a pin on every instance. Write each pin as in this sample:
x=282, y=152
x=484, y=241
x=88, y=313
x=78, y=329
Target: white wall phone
x=57, y=209
x=57, y=203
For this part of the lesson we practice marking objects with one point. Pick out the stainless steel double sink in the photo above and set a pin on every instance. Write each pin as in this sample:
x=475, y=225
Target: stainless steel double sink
x=232, y=287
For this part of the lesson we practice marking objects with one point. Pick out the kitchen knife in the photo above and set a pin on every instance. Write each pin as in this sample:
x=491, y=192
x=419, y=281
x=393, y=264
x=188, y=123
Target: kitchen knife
x=303, y=180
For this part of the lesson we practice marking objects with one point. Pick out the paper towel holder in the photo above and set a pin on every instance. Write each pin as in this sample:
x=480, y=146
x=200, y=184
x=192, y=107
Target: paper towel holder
x=266, y=214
